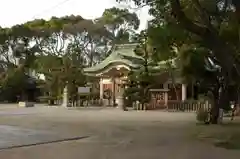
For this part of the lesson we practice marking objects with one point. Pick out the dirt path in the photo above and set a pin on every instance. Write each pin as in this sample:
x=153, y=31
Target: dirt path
x=110, y=134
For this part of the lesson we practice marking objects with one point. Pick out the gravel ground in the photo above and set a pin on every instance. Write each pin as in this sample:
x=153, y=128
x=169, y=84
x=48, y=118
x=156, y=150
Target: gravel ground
x=100, y=134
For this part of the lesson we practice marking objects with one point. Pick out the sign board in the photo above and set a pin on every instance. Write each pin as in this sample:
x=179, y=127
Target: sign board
x=84, y=90
x=158, y=90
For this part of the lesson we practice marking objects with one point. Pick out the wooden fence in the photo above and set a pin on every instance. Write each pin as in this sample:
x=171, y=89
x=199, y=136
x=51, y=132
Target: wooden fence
x=186, y=106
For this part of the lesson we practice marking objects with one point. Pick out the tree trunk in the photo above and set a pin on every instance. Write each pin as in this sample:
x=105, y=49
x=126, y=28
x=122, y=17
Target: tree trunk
x=173, y=80
x=175, y=90
x=221, y=102
x=50, y=101
x=213, y=96
x=192, y=91
x=215, y=113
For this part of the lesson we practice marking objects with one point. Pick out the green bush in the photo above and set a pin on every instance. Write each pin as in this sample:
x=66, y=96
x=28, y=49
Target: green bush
x=203, y=115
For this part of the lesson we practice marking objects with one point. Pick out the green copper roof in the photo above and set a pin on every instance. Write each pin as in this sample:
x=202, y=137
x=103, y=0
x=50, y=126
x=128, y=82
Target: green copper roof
x=123, y=54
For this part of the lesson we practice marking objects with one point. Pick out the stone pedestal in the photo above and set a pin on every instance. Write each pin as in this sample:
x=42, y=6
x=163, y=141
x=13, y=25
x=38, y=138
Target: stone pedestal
x=120, y=102
x=184, y=92
x=65, y=97
x=220, y=118
x=26, y=104
x=107, y=102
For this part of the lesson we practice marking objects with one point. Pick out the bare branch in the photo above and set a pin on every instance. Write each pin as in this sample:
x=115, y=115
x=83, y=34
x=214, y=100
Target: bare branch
x=203, y=14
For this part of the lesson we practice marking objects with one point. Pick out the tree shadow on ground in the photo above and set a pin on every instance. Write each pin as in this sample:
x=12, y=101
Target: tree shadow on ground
x=232, y=142
x=226, y=135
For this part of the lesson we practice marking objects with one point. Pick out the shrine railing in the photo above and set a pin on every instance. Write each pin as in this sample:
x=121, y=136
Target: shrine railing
x=173, y=105
x=188, y=106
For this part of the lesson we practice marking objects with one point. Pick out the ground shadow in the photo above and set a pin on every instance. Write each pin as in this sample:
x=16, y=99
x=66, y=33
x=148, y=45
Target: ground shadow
x=226, y=135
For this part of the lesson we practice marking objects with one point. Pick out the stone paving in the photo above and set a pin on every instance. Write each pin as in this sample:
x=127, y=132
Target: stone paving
x=110, y=134
x=13, y=136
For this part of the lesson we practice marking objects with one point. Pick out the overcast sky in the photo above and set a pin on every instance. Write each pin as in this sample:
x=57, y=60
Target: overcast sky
x=19, y=11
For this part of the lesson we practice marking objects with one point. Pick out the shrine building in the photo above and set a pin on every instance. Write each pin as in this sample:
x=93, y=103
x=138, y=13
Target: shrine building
x=113, y=72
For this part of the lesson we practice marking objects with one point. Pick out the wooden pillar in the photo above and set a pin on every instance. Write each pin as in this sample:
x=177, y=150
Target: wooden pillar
x=101, y=88
x=184, y=92
x=114, y=91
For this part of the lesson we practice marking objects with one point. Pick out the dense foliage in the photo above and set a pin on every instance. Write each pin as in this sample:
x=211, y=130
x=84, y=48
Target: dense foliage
x=60, y=48
x=205, y=35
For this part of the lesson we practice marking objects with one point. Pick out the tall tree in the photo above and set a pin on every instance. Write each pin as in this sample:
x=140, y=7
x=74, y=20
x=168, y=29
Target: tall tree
x=120, y=22
x=89, y=38
x=212, y=24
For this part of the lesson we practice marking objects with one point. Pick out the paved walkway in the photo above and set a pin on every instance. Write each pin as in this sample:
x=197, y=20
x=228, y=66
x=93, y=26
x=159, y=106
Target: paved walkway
x=108, y=134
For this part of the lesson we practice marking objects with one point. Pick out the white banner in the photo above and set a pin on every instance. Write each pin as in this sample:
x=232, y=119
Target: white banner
x=83, y=89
